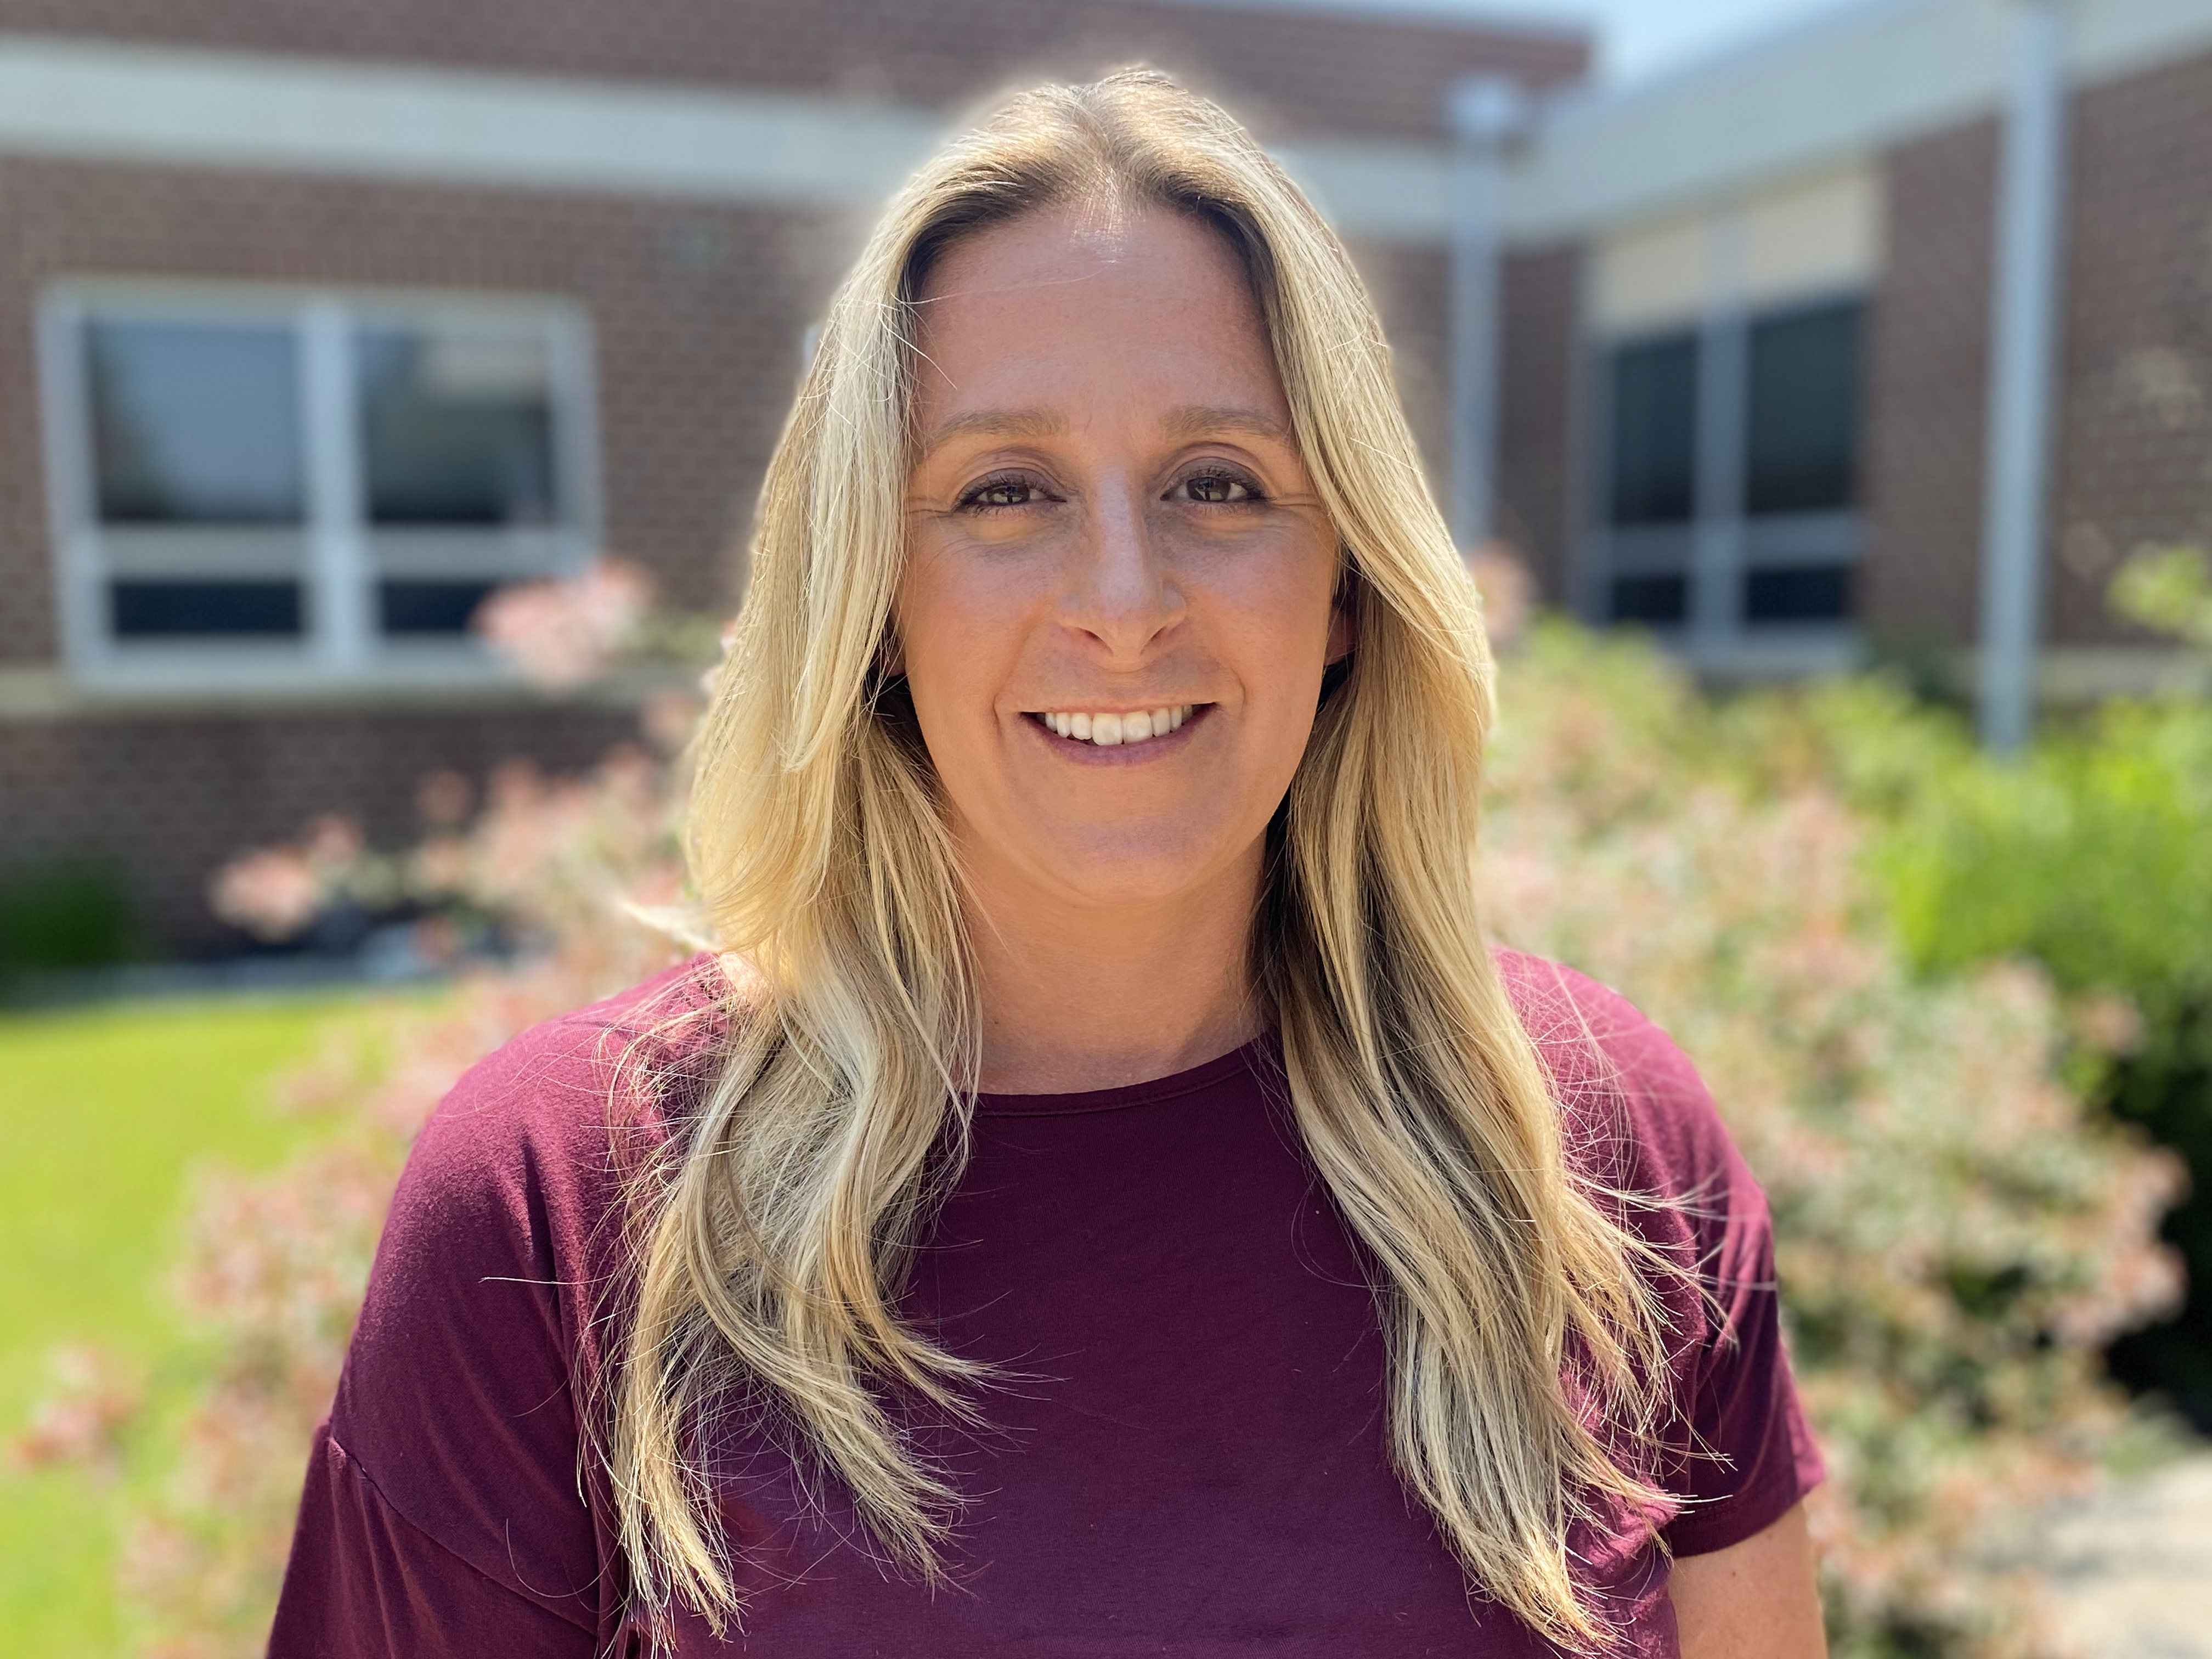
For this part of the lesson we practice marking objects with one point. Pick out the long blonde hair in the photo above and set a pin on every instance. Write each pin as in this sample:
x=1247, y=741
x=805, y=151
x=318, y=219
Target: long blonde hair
x=1525, y=1344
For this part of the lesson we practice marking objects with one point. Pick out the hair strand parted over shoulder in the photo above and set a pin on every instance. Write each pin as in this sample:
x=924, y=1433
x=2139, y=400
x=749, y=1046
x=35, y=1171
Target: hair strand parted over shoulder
x=776, y=1229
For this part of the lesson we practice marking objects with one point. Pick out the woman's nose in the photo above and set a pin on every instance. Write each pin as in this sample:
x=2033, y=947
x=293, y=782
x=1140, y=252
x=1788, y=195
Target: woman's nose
x=1123, y=593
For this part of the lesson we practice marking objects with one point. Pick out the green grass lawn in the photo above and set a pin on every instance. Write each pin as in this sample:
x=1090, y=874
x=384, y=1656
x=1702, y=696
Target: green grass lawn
x=105, y=1114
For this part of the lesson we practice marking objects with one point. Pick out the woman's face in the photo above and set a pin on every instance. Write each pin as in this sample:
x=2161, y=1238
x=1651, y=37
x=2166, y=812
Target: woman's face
x=1116, y=605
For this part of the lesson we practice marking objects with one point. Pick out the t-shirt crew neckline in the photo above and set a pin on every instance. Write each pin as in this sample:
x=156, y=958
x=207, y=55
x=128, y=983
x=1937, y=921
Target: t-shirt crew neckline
x=1205, y=1075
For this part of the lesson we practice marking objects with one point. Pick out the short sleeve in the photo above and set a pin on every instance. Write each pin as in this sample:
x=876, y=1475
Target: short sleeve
x=449, y=1494
x=364, y=1582
x=1749, y=1457
x=1739, y=1453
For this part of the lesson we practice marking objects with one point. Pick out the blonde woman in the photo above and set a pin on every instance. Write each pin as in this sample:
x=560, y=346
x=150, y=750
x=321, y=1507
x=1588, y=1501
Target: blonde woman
x=1106, y=1197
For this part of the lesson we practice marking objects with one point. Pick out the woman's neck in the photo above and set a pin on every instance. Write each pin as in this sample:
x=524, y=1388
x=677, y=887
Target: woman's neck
x=1077, y=997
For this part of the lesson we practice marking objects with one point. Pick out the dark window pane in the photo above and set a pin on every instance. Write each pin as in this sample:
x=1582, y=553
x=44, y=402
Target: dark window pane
x=1816, y=592
x=1657, y=600
x=1654, y=453
x=456, y=427
x=1801, y=443
x=430, y=607
x=193, y=423
x=176, y=609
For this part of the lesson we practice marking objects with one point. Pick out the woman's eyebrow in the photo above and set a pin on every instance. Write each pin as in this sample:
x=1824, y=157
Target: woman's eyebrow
x=1199, y=420
x=996, y=423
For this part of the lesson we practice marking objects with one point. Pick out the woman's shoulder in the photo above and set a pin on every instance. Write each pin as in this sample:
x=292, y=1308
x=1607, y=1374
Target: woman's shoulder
x=518, y=1172
x=500, y=1260
x=563, y=1083
x=1634, y=1105
x=502, y=1242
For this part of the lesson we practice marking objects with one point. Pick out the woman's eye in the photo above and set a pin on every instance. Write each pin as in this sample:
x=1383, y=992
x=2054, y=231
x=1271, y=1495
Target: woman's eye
x=1216, y=489
x=1003, y=492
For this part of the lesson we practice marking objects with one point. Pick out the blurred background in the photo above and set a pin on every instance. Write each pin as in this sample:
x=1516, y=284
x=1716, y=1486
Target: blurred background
x=1822, y=392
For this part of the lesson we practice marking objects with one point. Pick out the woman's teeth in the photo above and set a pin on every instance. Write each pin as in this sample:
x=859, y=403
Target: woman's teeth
x=1107, y=730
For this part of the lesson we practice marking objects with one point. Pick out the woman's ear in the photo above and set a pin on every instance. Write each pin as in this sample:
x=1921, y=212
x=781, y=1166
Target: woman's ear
x=1343, y=626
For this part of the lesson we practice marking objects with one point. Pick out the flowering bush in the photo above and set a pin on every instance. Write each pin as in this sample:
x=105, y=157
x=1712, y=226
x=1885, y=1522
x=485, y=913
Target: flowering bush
x=563, y=633
x=564, y=877
x=82, y=1419
x=274, y=1267
x=1956, y=1237
x=2091, y=855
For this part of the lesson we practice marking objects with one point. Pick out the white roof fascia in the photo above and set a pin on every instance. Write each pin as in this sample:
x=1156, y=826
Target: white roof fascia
x=130, y=103
x=1841, y=87
x=158, y=106
x=1573, y=22
x=1378, y=192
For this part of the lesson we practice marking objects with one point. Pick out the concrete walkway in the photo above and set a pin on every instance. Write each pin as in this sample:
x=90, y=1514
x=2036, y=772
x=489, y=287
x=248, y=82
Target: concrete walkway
x=2131, y=1569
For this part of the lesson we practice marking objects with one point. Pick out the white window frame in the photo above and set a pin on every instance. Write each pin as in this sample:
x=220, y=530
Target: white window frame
x=340, y=645
x=1724, y=542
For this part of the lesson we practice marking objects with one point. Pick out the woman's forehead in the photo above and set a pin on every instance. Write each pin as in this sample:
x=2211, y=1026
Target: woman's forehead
x=1060, y=240
x=1027, y=320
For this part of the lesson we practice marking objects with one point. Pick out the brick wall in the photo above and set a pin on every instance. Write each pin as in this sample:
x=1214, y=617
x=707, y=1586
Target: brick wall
x=1296, y=70
x=2135, y=404
x=168, y=798
x=1407, y=285
x=697, y=312
x=1540, y=373
x=2137, y=417
x=1926, y=373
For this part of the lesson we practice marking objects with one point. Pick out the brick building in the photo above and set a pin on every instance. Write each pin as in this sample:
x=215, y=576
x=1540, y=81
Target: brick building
x=316, y=321
x=1747, y=319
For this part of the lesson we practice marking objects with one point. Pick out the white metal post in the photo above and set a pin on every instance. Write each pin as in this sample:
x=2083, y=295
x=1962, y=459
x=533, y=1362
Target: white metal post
x=1484, y=113
x=81, y=576
x=337, y=554
x=2024, y=329
x=1716, y=618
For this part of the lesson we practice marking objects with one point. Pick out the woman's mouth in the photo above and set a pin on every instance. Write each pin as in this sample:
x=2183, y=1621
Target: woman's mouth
x=1112, y=730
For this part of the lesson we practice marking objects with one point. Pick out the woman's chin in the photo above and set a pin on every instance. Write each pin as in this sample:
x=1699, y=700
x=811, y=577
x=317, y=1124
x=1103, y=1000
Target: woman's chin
x=1134, y=877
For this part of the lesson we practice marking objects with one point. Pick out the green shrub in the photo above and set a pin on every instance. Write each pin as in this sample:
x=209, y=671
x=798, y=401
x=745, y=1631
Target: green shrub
x=1957, y=1233
x=2094, y=858
x=67, y=913
x=2090, y=856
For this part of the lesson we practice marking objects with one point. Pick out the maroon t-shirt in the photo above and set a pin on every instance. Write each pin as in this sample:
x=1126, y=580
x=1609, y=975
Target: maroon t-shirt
x=1187, y=1453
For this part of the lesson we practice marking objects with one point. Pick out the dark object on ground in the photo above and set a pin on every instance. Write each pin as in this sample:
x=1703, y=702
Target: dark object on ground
x=2165, y=1085
x=64, y=914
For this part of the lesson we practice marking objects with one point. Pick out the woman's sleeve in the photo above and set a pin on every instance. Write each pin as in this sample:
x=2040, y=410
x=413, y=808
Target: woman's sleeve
x=365, y=1583
x=1743, y=1455
x=1750, y=1457
x=448, y=1510
x=1739, y=1454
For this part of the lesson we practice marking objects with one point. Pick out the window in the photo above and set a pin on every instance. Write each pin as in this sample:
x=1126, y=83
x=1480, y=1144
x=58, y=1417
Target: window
x=1800, y=464
x=1651, y=484
x=1655, y=431
x=1752, y=501
x=1801, y=449
x=1814, y=592
x=250, y=487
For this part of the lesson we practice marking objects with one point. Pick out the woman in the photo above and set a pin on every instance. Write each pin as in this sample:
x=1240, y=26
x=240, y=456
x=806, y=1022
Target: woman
x=1106, y=1198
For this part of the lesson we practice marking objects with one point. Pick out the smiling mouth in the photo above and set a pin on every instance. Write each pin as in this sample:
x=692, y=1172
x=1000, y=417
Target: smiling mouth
x=1111, y=730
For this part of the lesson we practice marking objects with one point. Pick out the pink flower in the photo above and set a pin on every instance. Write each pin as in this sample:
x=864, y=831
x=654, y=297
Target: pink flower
x=1509, y=592
x=445, y=799
x=82, y=1420
x=565, y=631
x=272, y=894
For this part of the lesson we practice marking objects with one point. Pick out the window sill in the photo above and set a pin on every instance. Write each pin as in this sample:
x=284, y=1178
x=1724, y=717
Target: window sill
x=1780, y=651
x=29, y=694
